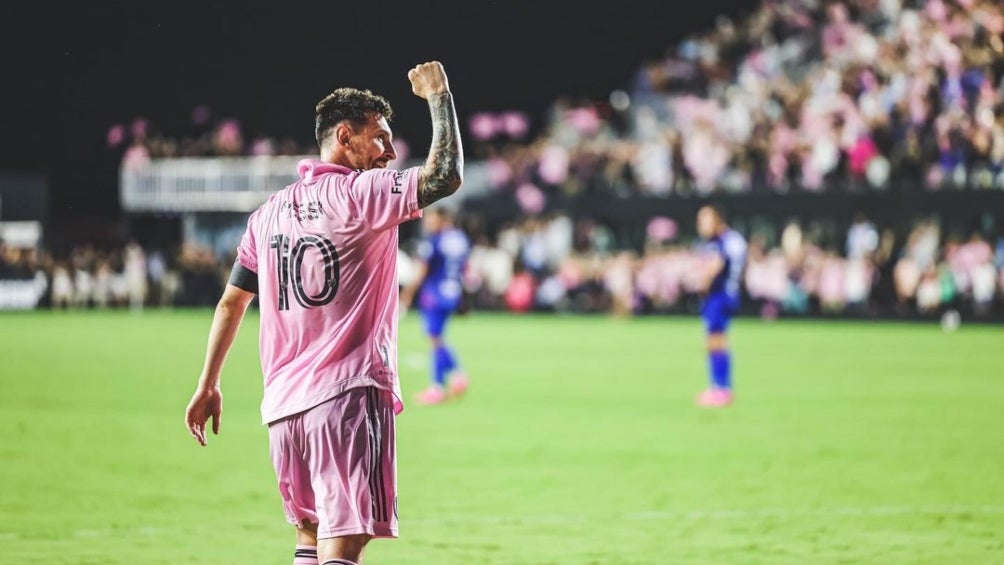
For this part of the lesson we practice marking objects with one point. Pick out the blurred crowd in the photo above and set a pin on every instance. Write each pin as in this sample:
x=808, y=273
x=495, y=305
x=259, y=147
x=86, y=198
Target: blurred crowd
x=130, y=276
x=924, y=274
x=810, y=95
x=207, y=136
x=800, y=95
x=553, y=263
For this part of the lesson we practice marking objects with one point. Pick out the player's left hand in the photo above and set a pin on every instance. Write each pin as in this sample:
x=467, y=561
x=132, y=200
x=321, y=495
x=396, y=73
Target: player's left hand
x=206, y=403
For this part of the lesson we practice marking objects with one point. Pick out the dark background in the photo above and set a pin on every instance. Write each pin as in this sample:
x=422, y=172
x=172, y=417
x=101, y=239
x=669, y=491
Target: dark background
x=70, y=71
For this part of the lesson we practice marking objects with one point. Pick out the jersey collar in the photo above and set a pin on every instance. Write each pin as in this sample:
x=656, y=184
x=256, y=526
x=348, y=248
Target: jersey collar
x=309, y=169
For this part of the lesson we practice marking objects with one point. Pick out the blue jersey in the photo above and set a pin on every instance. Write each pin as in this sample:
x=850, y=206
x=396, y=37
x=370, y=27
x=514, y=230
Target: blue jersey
x=731, y=247
x=445, y=255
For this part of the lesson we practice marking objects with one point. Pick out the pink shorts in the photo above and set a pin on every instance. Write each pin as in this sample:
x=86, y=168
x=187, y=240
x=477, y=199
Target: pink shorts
x=336, y=465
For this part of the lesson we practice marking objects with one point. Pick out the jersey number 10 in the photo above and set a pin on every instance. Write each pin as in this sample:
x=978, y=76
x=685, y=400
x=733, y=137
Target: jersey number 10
x=289, y=264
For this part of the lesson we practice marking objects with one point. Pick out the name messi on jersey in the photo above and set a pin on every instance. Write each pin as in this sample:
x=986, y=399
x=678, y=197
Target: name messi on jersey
x=307, y=211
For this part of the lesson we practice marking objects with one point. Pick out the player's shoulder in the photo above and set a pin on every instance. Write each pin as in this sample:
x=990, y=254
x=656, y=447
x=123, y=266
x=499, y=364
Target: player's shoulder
x=334, y=179
x=327, y=178
x=377, y=174
x=733, y=235
x=261, y=209
x=271, y=203
x=369, y=183
x=733, y=243
x=426, y=247
x=715, y=242
x=454, y=242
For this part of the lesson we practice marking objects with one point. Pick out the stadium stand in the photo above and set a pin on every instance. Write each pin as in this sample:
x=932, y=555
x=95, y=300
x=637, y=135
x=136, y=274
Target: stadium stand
x=869, y=134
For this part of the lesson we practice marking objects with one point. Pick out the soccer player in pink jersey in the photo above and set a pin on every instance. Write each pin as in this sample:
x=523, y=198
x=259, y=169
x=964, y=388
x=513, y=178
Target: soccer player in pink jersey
x=321, y=255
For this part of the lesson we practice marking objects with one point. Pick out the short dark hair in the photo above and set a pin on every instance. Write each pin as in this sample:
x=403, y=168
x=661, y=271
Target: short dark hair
x=350, y=104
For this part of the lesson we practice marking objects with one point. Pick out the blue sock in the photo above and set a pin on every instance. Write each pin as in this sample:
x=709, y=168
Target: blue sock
x=442, y=363
x=719, y=363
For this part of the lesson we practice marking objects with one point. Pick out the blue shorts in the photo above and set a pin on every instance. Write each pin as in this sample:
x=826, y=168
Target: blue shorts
x=436, y=311
x=717, y=312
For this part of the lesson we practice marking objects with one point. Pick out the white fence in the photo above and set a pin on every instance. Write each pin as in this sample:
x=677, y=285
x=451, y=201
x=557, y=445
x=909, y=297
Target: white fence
x=219, y=184
x=226, y=184
x=22, y=294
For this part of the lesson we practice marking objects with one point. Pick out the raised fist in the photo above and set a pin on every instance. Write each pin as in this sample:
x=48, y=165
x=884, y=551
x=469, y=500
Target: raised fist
x=428, y=79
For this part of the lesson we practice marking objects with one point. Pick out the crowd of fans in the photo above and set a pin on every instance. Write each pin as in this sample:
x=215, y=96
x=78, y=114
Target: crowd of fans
x=556, y=264
x=800, y=95
x=141, y=140
x=130, y=276
x=809, y=95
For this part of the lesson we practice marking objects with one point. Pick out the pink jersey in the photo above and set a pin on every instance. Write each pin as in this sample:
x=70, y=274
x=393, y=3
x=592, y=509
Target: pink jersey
x=325, y=251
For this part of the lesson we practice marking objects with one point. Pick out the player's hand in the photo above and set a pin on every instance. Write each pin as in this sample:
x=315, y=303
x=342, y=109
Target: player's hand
x=428, y=80
x=206, y=403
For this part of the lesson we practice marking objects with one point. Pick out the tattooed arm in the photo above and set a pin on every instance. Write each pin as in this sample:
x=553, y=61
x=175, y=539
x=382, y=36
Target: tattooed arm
x=442, y=173
x=443, y=170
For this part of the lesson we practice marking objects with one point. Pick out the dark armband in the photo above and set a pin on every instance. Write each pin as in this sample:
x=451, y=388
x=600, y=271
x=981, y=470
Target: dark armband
x=244, y=278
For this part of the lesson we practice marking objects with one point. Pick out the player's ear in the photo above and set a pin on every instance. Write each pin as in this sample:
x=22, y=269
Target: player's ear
x=343, y=133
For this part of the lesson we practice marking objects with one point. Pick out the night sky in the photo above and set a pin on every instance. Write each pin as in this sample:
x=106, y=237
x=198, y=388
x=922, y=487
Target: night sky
x=70, y=72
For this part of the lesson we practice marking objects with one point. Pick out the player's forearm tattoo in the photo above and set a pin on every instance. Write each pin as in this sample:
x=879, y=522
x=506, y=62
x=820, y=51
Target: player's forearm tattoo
x=443, y=170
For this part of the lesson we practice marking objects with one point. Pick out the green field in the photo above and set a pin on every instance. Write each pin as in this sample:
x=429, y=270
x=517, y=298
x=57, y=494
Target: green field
x=578, y=443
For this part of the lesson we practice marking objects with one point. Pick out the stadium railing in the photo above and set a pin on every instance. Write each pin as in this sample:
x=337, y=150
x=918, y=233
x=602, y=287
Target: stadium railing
x=229, y=184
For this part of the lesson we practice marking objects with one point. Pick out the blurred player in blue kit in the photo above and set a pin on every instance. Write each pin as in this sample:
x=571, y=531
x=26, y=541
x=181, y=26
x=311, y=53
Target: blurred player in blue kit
x=439, y=287
x=726, y=256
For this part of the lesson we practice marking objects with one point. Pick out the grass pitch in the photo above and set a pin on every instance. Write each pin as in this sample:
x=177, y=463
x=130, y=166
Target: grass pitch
x=578, y=443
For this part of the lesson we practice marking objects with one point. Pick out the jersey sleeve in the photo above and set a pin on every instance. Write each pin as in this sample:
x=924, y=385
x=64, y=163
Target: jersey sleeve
x=385, y=198
x=247, y=250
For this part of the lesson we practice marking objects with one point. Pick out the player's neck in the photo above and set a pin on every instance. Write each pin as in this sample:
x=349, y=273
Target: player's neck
x=337, y=157
x=342, y=163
